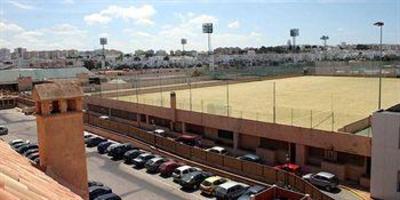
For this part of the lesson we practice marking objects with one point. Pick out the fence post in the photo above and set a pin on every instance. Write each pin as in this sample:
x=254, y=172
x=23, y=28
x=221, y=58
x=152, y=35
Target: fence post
x=311, y=119
x=333, y=121
x=291, y=116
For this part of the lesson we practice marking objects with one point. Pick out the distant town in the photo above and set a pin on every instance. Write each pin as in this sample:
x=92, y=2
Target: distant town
x=223, y=57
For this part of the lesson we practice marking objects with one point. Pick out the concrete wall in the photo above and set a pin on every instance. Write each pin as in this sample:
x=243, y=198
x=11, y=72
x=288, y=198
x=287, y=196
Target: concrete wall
x=385, y=156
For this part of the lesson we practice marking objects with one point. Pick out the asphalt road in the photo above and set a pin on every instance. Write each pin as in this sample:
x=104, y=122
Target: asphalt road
x=129, y=183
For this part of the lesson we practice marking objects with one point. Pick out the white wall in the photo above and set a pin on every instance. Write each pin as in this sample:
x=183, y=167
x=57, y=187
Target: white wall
x=385, y=155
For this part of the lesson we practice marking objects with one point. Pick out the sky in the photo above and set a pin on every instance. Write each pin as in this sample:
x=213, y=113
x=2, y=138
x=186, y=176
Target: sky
x=160, y=24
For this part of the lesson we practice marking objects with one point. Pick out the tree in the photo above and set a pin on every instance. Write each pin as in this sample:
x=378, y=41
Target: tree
x=89, y=64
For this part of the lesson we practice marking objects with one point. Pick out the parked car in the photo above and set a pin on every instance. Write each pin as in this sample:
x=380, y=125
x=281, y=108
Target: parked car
x=118, y=151
x=323, y=179
x=230, y=190
x=95, y=183
x=94, y=141
x=109, y=196
x=31, y=151
x=18, y=145
x=168, y=167
x=36, y=160
x=194, y=179
x=33, y=156
x=16, y=141
x=86, y=138
x=218, y=150
x=290, y=167
x=27, y=147
x=142, y=159
x=152, y=165
x=250, y=157
x=208, y=186
x=160, y=132
x=95, y=191
x=189, y=140
x=253, y=190
x=131, y=154
x=103, y=146
x=104, y=117
x=3, y=130
x=181, y=171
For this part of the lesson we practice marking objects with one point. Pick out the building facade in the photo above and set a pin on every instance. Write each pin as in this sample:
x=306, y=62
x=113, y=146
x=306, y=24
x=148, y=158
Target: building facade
x=385, y=171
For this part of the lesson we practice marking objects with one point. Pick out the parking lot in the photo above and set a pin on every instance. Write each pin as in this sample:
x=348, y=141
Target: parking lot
x=125, y=181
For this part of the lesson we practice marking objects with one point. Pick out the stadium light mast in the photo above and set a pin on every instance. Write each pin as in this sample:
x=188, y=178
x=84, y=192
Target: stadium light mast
x=103, y=41
x=294, y=32
x=380, y=25
x=208, y=29
x=325, y=38
x=189, y=81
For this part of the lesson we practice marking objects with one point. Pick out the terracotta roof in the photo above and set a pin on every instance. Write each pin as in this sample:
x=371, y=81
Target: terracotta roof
x=20, y=180
x=56, y=90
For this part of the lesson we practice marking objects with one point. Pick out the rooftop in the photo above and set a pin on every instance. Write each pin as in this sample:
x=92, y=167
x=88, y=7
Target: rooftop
x=10, y=76
x=20, y=180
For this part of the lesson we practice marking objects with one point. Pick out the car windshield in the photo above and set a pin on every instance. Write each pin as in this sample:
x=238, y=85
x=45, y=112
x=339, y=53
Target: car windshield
x=143, y=156
x=177, y=171
x=206, y=183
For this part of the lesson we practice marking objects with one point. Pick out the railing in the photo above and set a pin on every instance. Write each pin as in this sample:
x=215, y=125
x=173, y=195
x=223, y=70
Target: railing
x=252, y=170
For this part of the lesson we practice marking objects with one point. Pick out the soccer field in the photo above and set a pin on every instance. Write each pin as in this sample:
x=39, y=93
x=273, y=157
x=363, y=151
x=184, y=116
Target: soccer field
x=319, y=102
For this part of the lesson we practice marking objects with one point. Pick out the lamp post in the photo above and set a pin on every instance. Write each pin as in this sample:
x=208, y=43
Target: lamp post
x=188, y=78
x=380, y=25
x=103, y=41
x=325, y=38
x=208, y=29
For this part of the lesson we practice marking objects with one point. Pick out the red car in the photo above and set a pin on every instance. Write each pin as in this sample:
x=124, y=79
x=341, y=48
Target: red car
x=168, y=167
x=189, y=140
x=290, y=167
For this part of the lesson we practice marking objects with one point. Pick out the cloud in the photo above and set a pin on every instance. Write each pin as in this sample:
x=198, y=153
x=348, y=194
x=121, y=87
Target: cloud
x=20, y=5
x=139, y=15
x=234, y=25
x=97, y=19
x=189, y=27
x=8, y=27
x=59, y=36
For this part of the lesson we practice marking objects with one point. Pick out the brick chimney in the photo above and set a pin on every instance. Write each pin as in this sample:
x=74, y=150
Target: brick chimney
x=59, y=121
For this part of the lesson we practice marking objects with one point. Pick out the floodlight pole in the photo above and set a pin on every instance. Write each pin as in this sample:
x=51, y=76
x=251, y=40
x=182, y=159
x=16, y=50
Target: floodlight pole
x=227, y=98
x=380, y=25
x=274, y=102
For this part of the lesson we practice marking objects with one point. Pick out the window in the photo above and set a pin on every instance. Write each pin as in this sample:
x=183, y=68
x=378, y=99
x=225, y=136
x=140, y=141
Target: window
x=225, y=134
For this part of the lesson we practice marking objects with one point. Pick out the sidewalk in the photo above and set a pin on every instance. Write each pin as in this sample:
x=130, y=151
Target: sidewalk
x=361, y=194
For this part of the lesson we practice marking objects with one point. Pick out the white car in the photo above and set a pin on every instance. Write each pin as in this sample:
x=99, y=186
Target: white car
x=181, y=171
x=218, y=150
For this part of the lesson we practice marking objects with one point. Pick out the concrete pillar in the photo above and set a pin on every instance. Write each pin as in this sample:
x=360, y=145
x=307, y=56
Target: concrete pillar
x=235, y=140
x=183, y=127
x=147, y=119
x=173, y=100
x=60, y=135
x=301, y=155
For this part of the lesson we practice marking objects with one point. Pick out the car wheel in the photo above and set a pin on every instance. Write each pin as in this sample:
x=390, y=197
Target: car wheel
x=328, y=188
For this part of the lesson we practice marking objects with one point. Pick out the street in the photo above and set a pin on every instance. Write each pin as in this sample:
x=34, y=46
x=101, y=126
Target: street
x=129, y=183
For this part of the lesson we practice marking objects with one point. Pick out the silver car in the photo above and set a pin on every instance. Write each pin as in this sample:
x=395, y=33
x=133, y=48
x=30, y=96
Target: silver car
x=323, y=179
